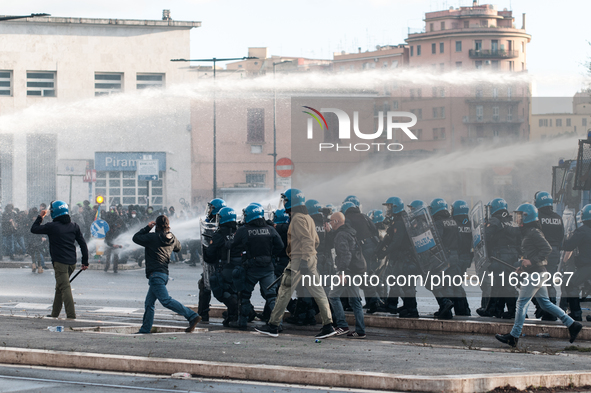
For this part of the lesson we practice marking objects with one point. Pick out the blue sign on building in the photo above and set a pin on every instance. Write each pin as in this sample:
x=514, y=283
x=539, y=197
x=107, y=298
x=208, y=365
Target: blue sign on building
x=126, y=161
x=99, y=229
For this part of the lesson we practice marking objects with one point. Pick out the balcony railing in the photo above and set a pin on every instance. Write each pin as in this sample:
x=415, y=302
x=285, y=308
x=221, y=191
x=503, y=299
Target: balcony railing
x=493, y=54
x=493, y=119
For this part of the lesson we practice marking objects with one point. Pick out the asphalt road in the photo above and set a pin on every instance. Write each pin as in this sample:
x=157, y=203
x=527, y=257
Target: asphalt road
x=49, y=380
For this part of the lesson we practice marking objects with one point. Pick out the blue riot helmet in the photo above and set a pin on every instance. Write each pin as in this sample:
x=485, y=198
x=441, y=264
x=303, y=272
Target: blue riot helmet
x=378, y=217
x=280, y=217
x=292, y=198
x=543, y=199
x=437, y=205
x=525, y=214
x=58, y=208
x=346, y=206
x=496, y=205
x=313, y=207
x=459, y=208
x=252, y=212
x=586, y=213
x=261, y=206
x=226, y=214
x=394, y=205
x=416, y=205
x=214, y=206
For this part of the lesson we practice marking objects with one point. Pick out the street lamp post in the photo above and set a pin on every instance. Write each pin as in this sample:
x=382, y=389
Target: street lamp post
x=214, y=60
x=275, y=125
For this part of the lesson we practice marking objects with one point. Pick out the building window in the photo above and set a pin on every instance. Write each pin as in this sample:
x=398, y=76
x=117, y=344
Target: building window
x=442, y=25
x=438, y=133
x=522, y=47
x=418, y=133
x=439, y=112
x=385, y=64
x=558, y=122
x=584, y=122
x=442, y=92
x=41, y=83
x=254, y=178
x=495, y=92
x=419, y=93
x=418, y=50
x=466, y=24
x=256, y=149
x=550, y=122
x=418, y=113
x=568, y=123
x=484, y=22
x=386, y=106
x=522, y=66
x=394, y=64
x=495, y=113
x=412, y=94
x=458, y=64
x=122, y=187
x=477, y=45
x=433, y=48
x=541, y=123
x=431, y=26
x=434, y=91
x=479, y=113
x=6, y=83
x=494, y=46
x=107, y=83
x=511, y=65
x=145, y=81
x=494, y=64
x=441, y=47
x=394, y=105
x=412, y=50
x=479, y=92
x=478, y=64
x=509, y=92
x=255, y=125
x=458, y=46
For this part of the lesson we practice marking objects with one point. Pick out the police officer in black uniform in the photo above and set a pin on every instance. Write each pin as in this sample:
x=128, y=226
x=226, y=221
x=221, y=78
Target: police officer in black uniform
x=459, y=212
x=553, y=230
x=228, y=257
x=448, y=231
x=503, y=241
x=259, y=244
x=581, y=240
x=397, y=248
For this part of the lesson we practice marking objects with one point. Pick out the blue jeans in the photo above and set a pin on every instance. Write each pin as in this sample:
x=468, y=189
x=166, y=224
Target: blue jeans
x=157, y=282
x=526, y=293
x=8, y=242
x=351, y=292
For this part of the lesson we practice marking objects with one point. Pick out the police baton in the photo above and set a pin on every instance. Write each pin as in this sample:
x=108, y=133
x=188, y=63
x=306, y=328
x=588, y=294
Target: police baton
x=76, y=275
x=275, y=282
x=504, y=263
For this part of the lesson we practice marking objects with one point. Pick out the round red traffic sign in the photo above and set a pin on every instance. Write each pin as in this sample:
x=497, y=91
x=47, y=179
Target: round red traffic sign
x=284, y=167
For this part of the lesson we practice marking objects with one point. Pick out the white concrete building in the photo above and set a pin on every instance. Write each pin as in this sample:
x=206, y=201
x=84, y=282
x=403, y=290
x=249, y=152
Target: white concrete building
x=59, y=115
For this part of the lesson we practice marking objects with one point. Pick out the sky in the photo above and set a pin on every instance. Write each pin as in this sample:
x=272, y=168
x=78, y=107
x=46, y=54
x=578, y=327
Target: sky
x=556, y=55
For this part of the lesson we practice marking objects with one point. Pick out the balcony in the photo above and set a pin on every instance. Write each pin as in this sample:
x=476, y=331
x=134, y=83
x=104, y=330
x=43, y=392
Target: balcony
x=493, y=54
x=507, y=119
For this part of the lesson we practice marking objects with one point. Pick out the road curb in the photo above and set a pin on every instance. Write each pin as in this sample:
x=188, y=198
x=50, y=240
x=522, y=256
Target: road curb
x=476, y=326
x=292, y=375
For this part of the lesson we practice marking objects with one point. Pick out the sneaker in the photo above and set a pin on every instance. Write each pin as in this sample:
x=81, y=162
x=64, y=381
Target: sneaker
x=340, y=331
x=192, y=324
x=574, y=331
x=326, y=332
x=356, y=335
x=40, y=270
x=34, y=268
x=269, y=330
x=507, y=339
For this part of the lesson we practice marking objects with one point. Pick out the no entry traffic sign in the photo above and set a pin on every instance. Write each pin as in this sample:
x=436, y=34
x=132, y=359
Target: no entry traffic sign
x=284, y=167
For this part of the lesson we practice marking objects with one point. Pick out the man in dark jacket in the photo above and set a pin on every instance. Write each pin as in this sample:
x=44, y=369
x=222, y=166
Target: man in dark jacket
x=116, y=228
x=349, y=260
x=62, y=234
x=8, y=230
x=581, y=240
x=159, y=246
x=535, y=249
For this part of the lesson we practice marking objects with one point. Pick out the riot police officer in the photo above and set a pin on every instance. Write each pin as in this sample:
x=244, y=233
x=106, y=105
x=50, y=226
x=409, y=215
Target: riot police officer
x=397, y=248
x=459, y=212
x=553, y=230
x=581, y=240
x=213, y=208
x=259, y=243
x=503, y=241
x=448, y=231
x=229, y=258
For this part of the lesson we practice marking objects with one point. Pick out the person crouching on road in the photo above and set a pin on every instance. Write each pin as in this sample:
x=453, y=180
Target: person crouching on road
x=159, y=246
x=535, y=249
x=62, y=234
x=349, y=261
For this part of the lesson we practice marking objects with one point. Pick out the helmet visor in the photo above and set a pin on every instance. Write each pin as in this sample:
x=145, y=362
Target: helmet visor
x=282, y=202
x=518, y=218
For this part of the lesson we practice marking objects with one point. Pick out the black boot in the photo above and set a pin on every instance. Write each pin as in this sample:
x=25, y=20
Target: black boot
x=507, y=339
x=445, y=309
x=574, y=331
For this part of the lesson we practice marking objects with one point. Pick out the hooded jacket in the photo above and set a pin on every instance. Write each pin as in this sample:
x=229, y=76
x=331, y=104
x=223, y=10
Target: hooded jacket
x=62, y=234
x=535, y=247
x=349, y=257
x=159, y=246
x=361, y=223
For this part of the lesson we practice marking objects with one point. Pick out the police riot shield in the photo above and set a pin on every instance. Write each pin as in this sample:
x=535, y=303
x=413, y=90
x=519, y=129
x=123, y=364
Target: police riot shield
x=427, y=247
x=477, y=219
x=206, y=230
